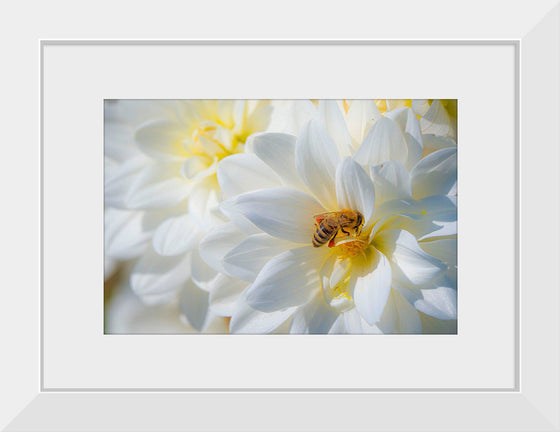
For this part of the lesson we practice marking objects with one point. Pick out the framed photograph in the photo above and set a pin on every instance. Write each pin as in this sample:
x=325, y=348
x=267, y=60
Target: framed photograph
x=268, y=233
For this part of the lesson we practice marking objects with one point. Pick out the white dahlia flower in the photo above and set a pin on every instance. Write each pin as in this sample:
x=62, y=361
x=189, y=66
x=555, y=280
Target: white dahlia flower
x=161, y=191
x=390, y=276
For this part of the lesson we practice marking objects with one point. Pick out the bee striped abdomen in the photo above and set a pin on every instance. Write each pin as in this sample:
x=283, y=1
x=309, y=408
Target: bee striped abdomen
x=323, y=234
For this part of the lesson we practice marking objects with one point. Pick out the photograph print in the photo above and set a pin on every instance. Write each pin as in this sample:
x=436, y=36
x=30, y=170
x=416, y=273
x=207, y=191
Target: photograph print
x=280, y=216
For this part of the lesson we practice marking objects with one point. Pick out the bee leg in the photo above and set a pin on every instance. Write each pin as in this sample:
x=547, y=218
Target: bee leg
x=345, y=232
x=332, y=240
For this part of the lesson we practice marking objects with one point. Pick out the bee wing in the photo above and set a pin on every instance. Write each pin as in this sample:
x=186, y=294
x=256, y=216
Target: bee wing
x=319, y=217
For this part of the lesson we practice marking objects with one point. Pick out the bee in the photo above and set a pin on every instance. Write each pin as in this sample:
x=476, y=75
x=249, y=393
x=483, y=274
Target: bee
x=329, y=224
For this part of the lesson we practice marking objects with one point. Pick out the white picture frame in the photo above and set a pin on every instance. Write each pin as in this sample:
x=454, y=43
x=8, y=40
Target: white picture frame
x=531, y=403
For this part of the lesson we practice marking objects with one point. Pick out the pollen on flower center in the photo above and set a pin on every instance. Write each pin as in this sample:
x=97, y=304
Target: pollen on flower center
x=350, y=248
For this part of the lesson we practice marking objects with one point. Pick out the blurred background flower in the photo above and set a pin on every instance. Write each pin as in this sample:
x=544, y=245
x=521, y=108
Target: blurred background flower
x=162, y=195
x=125, y=313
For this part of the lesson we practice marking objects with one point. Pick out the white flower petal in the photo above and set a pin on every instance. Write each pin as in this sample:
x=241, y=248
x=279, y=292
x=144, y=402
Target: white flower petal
x=218, y=242
x=361, y=116
x=332, y=120
x=392, y=181
x=258, y=119
x=354, y=188
x=137, y=111
x=441, y=214
x=197, y=110
x=278, y=152
x=436, y=174
x=289, y=279
x=411, y=293
x=225, y=112
x=201, y=273
x=154, y=274
x=372, y=289
x=196, y=167
x=118, y=140
x=126, y=314
x=162, y=140
x=316, y=161
x=232, y=213
x=246, y=320
x=242, y=173
x=389, y=214
x=439, y=302
x=414, y=152
x=408, y=123
x=194, y=305
x=339, y=271
x=224, y=294
x=125, y=235
x=443, y=249
x=118, y=180
x=209, y=145
x=355, y=324
x=337, y=282
x=239, y=114
x=175, y=236
x=246, y=260
x=282, y=212
x=409, y=263
x=427, y=219
x=339, y=326
x=157, y=186
x=385, y=141
x=302, y=111
x=433, y=143
x=203, y=203
x=438, y=121
x=420, y=106
x=316, y=317
x=399, y=317
x=291, y=116
x=154, y=218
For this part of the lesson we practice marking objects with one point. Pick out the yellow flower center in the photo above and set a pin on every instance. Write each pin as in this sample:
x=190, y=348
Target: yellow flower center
x=214, y=141
x=350, y=248
x=209, y=143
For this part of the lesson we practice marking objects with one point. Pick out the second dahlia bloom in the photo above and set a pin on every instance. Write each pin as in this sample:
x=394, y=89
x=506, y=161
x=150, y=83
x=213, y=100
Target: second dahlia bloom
x=162, y=193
